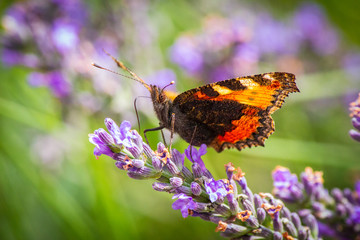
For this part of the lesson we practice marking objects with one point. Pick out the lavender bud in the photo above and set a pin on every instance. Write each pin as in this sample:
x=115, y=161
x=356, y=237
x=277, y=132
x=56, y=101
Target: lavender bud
x=247, y=205
x=318, y=207
x=289, y=227
x=157, y=164
x=138, y=163
x=229, y=168
x=196, y=188
x=278, y=226
x=296, y=220
x=135, y=151
x=176, y=182
x=160, y=147
x=161, y=187
x=215, y=218
x=137, y=139
x=197, y=171
x=304, y=212
x=204, y=216
x=233, y=203
x=223, y=210
x=148, y=151
x=337, y=194
x=349, y=208
x=105, y=137
x=304, y=233
x=348, y=194
x=263, y=232
x=234, y=188
x=203, y=207
x=119, y=156
x=253, y=222
x=261, y=215
x=356, y=122
x=311, y=222
x=173, y=169
x=285, y=212
x=277, y=236
x=178, y=158
x=354, y=135
x=187, y=174
x=249, y=193
x=257, y=201
x=340, y=210
x=183, y=189
x=233, y=230
x=142, y=173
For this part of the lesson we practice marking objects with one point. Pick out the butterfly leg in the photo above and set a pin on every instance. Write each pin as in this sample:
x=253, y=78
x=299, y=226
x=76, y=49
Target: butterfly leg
x=150, y=130
x=172, y=129
x=192, y=137
x=137, y=114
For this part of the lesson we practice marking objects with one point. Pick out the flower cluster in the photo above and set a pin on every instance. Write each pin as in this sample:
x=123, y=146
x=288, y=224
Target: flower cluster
x=229, y=202
x=56, y=40
x=355, y=115
x=337, y=213
x=231, y=46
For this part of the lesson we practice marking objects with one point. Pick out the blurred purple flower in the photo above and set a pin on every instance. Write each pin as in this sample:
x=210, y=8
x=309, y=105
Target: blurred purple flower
x=65, y=36
x=55, y=81
x=286, y=185
x=351, y=63
x=162, y=78
x=274, y=37
x=354, y=217
x=186, y=53
x=357, y=189
x=314, y=27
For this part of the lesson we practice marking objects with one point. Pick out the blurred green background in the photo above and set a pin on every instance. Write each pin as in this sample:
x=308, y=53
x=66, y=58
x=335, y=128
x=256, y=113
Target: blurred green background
x=51, y=185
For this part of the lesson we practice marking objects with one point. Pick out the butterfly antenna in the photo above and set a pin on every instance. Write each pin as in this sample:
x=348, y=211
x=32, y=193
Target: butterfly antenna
x=104, y=68
x=122, y=66
x=171, y=83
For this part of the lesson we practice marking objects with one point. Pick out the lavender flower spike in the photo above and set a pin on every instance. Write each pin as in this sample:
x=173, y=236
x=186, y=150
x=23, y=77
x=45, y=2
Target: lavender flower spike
x=355, y=114
x=229, y=202
x=335, y=215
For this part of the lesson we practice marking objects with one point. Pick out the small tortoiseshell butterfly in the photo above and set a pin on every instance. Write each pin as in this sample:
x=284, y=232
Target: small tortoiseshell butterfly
x=226, y=114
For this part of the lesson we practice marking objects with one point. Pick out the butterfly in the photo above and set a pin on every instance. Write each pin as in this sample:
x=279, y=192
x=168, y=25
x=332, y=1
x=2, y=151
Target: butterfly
x=234, y=113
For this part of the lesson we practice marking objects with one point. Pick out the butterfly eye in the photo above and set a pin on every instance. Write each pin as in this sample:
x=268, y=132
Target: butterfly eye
x=162, y=97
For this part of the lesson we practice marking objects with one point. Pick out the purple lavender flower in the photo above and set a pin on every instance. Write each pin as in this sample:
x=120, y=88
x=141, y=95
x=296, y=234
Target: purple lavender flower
x=286, y=185
x=355, y=115
x=216, y=190
x=335, y=215
x=184, y=203
x=198, y=166
x=237, y=212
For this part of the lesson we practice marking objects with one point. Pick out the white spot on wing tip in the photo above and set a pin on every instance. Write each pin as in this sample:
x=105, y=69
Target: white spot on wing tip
x=268, y=76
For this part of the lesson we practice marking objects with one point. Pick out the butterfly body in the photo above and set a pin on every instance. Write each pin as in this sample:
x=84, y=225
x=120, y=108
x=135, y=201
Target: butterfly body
x=226, y=114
